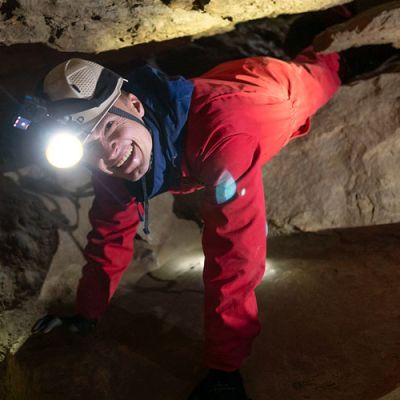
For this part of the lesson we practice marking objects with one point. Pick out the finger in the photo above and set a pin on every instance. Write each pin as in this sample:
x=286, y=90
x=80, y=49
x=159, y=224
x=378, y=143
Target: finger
x=37, y=326
x=53, y=323
x=41, y=324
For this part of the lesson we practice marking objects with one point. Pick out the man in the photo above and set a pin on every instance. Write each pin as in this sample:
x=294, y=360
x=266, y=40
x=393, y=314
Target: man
x=152, y=134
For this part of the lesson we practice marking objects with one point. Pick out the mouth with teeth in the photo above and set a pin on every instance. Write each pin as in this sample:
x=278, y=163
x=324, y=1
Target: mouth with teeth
x=124, y=158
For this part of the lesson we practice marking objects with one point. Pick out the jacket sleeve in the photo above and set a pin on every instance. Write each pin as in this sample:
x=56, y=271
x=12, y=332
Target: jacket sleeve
x=109, y=250
x=234, y=244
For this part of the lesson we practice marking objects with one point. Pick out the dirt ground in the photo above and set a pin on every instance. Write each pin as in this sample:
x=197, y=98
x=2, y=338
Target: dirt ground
x=331, y=331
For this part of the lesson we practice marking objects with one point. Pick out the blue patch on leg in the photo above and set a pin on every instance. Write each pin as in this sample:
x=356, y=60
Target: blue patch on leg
x=225, y=189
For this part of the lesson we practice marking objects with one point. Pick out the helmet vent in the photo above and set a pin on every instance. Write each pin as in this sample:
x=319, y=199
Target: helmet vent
x=84, y=80
x=76, y=88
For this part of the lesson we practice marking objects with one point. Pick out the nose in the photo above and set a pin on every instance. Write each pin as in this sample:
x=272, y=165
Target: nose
x=113, y=147
x=110, y=152
x=110, y=149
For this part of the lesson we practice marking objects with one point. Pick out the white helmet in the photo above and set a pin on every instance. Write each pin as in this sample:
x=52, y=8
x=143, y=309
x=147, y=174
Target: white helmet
x=81, y=91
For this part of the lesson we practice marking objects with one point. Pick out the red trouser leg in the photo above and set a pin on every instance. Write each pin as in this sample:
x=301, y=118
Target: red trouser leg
x=280, y=97
x=312, y=80
x=234, y=238
x=234, y=242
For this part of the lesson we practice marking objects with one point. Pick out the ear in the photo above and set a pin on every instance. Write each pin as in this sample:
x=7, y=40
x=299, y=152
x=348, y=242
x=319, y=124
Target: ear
x=136, y=104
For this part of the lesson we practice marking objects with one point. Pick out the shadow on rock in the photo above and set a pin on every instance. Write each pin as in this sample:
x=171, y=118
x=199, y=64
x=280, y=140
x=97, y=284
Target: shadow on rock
x=129, y=356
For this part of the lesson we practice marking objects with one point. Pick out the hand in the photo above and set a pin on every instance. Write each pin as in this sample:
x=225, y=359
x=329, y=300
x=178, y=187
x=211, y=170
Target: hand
x=75, y=324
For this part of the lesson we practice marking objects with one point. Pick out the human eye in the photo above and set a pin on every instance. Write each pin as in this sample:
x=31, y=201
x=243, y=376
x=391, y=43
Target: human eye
x=109, y=125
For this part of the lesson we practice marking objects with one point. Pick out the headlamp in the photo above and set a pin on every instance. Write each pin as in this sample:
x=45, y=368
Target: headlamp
x=64, y=149
x=62, y=139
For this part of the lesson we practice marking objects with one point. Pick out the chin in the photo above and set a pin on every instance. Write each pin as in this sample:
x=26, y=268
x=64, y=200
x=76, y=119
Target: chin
x=135, y=177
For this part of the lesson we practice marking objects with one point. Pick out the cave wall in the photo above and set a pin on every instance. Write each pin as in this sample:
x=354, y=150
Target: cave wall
x=28, y=241
x=113, y=24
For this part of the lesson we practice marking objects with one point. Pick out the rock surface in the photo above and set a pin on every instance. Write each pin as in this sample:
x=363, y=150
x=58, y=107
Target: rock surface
x=28, y=240
x=72, y=26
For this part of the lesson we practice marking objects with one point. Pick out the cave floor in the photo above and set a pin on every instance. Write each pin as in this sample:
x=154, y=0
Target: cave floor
x=329, y=304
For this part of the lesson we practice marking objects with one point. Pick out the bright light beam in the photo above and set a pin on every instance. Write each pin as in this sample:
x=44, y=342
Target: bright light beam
x=64, y=150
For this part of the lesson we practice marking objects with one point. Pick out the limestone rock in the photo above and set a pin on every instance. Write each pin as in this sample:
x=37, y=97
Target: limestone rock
x=43, y=229
x=28, y=240
x=345, y=173
x=112, y=24
x=395, y=395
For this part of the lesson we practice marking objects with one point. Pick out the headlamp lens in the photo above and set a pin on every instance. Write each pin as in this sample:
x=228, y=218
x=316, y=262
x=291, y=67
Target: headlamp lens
x=64, y=150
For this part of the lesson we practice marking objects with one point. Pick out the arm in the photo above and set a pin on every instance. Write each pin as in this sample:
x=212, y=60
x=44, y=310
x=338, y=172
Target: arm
x=114, y=219
x=234, y=243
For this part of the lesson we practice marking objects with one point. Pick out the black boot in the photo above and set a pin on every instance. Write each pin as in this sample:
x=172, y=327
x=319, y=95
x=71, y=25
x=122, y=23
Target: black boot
x=220, y=385
x=367, y=61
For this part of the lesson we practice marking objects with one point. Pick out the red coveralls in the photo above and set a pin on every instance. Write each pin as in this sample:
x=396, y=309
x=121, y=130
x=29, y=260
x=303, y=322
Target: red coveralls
x=242, y=113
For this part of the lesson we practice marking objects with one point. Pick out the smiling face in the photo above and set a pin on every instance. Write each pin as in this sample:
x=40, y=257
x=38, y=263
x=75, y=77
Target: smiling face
x=118, y=146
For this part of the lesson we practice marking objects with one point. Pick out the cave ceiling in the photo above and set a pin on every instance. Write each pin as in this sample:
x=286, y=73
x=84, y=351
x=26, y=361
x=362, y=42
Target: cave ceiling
x=97, y=26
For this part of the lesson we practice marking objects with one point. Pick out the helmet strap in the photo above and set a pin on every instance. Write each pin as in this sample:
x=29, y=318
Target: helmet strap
x=125, y=114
